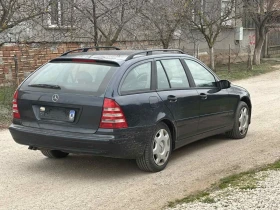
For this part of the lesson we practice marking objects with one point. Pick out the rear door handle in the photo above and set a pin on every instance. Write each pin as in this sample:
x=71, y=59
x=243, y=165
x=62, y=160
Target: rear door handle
x=172, y=98
x=203, y=96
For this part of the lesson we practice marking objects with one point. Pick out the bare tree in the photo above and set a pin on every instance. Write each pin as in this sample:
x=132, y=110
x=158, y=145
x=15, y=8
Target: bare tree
x=107, y=18
x=209, y=17
x=262, y=12
x=162, y=19
x=16, y=12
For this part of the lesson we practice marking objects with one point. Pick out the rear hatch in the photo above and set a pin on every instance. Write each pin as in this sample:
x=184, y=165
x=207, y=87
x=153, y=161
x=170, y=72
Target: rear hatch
x=65, y=95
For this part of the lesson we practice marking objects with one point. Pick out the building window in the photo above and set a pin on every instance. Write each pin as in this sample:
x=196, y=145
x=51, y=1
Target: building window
x=248, y=21
x=61, y=13
x=198, y=11
x=226, y=6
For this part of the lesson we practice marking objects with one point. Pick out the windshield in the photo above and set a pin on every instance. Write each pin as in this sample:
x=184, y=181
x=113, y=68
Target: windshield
x=69, y=77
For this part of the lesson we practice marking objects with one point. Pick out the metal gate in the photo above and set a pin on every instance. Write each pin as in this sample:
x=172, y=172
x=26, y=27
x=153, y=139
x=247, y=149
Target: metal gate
x=273, y=43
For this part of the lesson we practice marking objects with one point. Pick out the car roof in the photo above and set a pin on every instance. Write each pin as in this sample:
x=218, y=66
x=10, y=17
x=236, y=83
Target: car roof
x=120, y=56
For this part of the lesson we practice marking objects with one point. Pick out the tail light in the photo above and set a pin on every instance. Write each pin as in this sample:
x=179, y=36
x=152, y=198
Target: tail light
x=112, y=115
x=15, y=106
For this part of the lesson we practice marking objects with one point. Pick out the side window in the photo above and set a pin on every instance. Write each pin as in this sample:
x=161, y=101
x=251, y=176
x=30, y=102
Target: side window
x=202, y=77
x=162, y=80
x=138, y=79
x=176, y=73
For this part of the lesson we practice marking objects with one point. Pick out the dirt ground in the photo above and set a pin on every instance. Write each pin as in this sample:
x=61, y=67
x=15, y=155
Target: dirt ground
x=30, y=181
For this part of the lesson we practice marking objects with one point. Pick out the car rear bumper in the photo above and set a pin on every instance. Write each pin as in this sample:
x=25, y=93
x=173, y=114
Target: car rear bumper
x=126, y=143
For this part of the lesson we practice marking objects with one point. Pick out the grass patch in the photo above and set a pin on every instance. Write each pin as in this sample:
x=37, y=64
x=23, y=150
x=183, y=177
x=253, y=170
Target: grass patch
x=239, y=70
x=243, y=181
x=274, y=166
x=207, y=199
x=6, y=97
x=190, y=198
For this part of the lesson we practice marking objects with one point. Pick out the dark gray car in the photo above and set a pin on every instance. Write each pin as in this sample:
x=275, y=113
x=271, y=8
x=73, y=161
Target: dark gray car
x=126, y=104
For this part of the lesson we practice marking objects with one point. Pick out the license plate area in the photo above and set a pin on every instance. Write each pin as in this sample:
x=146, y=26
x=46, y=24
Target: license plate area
x=57, y=114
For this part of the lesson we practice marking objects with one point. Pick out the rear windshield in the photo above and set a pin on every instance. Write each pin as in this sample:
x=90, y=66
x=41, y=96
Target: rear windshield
x=80, y=78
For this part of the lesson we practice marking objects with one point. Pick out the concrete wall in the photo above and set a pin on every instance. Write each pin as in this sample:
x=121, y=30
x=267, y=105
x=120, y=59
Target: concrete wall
x=226, y=37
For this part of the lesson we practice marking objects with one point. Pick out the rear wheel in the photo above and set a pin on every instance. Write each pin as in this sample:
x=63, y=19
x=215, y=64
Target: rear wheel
x=54, y=153
x=157, y=151
x=241, y=122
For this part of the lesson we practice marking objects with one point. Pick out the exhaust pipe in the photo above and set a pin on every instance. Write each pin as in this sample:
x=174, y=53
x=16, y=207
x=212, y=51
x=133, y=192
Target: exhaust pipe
x=32, y=148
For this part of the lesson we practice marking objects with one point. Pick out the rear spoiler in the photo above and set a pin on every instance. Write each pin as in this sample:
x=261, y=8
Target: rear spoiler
x=86, y=60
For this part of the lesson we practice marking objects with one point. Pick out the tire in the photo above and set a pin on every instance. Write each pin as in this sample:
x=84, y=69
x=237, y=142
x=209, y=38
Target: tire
x=54, y=154
x=241, y=122
x=157, y=151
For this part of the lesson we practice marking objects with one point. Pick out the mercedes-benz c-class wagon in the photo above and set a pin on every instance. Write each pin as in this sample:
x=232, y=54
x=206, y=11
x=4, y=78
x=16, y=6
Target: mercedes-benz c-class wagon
x=138, y=105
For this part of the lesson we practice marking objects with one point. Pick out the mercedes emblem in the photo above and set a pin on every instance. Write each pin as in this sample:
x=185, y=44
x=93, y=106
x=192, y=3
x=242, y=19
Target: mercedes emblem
x=55, y=98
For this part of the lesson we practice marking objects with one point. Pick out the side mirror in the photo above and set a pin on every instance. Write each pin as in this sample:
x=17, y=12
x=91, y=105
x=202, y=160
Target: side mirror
x=224, y=84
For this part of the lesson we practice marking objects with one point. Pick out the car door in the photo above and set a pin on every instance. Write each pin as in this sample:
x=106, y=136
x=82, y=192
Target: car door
x=173, y=87
x=214, y=113
x=137, y=97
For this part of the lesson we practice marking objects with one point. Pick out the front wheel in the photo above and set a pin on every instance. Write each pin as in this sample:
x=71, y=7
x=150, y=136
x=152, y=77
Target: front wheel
x=241, y=122
x=157, y=151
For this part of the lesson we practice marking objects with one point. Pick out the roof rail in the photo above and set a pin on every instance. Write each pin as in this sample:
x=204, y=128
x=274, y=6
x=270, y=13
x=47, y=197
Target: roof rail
x=150, y=52
x=85, y=49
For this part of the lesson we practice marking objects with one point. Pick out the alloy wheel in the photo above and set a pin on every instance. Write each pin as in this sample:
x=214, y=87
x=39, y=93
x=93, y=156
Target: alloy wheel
x=243, y=120
x=161, y=147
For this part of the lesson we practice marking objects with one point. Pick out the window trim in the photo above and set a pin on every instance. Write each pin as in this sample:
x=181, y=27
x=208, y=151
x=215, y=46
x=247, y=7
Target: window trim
x=164, y=73
x=173, y=58
x=137, y=91
x=206, y=68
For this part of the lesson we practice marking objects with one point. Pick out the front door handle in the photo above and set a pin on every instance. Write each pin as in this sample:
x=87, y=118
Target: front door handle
x=172, y=98
x=203, y=96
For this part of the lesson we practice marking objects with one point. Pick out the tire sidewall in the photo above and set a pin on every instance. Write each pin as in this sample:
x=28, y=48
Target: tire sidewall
x=149, y=148
x=241, y=105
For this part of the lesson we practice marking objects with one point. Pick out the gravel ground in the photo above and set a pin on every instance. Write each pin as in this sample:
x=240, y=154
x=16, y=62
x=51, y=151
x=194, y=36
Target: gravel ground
x=30, y=181
x=265, y=196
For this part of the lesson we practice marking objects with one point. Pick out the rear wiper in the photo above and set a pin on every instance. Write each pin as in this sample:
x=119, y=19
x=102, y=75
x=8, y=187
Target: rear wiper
x=45, y=86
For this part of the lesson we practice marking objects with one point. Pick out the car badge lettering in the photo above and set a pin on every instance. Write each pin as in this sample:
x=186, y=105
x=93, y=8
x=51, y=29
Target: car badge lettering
x=55, y=98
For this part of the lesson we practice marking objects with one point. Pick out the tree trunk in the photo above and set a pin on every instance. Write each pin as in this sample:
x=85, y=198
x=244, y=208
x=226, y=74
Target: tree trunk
x=108, y=43
x=212, y=58
x=259, y=45
x=257, y=54
x=165, y=44
x=95, y=24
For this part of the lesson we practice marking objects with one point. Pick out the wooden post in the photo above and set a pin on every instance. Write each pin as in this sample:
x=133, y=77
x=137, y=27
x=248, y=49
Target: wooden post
x=194, y=50
x=229, y=58
x=250, y=60
x=266, y=46
x=16, y=69
x=197, y=54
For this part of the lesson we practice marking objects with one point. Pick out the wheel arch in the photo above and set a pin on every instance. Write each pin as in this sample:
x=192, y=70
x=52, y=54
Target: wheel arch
x=172, y=129
x=247, y=100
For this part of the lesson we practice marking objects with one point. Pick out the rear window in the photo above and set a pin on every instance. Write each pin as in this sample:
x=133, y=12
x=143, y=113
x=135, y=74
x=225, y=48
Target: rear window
x=79, y=78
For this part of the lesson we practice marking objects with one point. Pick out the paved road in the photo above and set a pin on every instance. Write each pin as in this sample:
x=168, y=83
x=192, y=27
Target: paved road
x=30, y=181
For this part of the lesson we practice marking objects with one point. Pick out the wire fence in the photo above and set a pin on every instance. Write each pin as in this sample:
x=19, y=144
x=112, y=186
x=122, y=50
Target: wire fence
x=227, y=57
